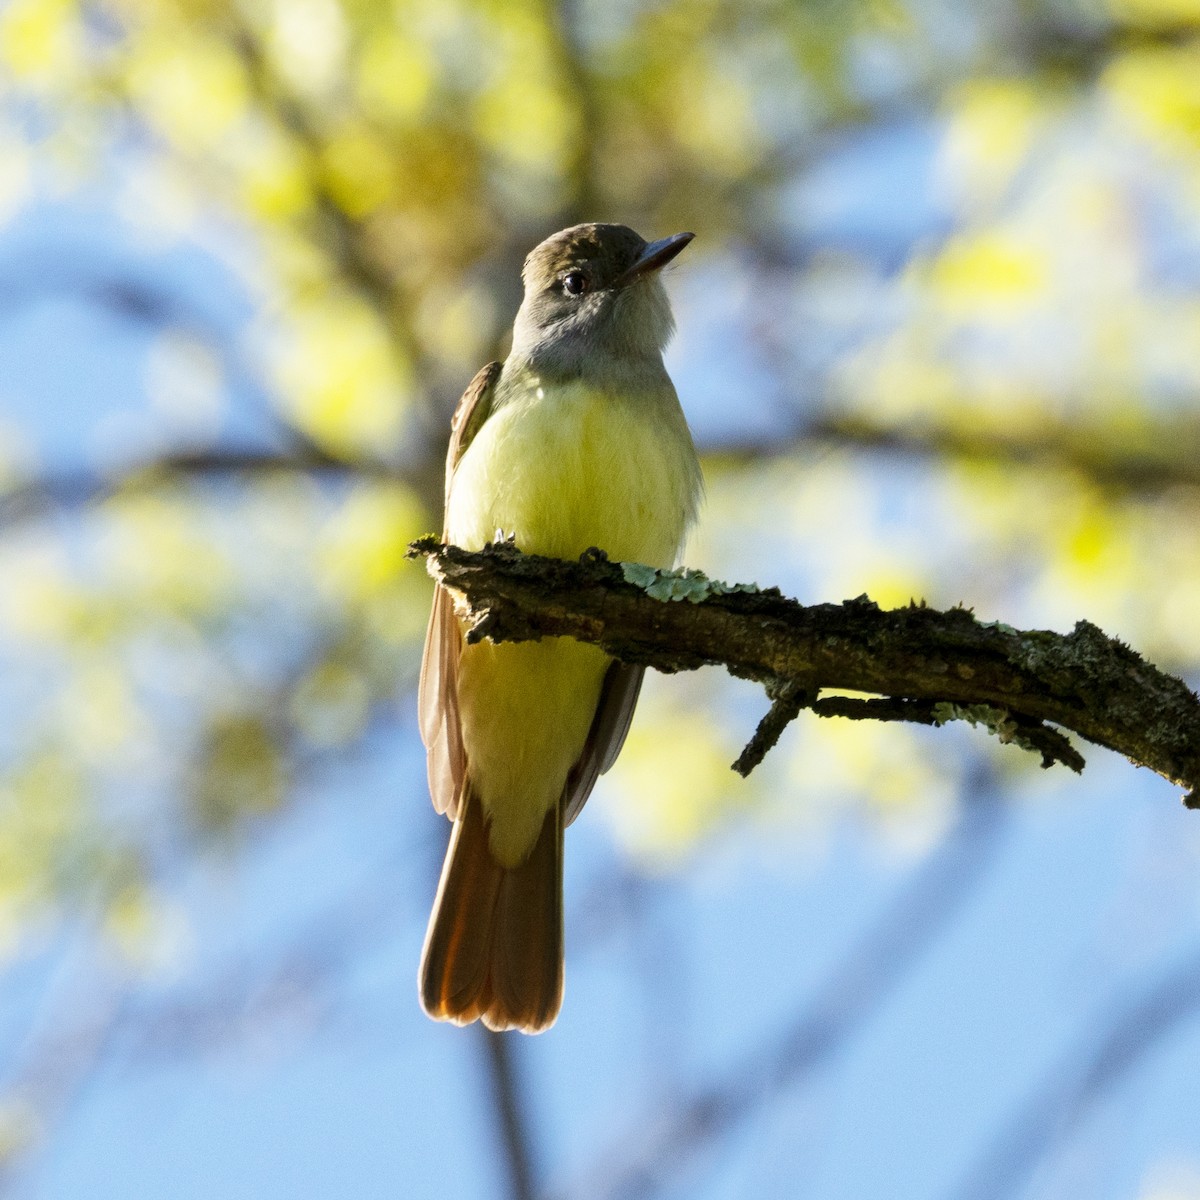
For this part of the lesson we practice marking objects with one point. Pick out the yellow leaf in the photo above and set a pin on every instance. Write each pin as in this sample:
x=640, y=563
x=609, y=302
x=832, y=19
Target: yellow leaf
x=672, y=784
x=40, y=37
x=989, y=270
x=342, y=379
x=992, y=125
x=363, y=542
x=307, y=43
x=395, y=75
x=192, y=88
x=1152, y=13
x=359, y=170
x=1159, y=87
x=275, y=173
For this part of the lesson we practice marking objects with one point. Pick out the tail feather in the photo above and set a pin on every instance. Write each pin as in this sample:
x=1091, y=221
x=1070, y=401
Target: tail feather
x=455, y=962
x=527, y=937
x=494, y=946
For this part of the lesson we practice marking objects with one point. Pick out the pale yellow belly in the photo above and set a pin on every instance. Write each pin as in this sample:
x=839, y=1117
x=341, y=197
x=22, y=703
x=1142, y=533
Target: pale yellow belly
x=561, y=474
x=575, y=469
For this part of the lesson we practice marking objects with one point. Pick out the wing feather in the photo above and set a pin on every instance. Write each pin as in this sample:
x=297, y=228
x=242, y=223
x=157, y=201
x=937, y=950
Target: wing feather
x=437, y=694
x=618, y=698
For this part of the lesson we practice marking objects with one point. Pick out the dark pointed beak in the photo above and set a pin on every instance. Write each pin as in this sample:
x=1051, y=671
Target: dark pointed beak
x=654, y=257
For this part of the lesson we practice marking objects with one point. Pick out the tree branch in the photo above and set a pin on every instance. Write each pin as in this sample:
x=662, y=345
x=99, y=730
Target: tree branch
x=1156, y=458
x=927, y=666
x=72, y=488
x=510, y=1115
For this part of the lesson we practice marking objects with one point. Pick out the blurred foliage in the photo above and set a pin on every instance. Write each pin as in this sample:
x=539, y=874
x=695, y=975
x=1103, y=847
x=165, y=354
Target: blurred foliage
x=997, y=408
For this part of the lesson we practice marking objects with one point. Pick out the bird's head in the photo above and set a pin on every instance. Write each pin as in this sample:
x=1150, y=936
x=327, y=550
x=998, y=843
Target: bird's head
x=593, y=296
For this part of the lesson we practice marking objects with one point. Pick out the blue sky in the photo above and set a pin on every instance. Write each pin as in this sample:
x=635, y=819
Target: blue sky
x=301, y=1064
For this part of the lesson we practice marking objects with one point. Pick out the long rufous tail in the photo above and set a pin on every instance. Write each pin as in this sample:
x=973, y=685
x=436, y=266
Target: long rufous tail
x=494, y=949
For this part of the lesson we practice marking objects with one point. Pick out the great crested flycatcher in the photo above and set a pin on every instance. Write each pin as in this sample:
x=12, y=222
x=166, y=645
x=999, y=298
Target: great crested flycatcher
x=576, y=440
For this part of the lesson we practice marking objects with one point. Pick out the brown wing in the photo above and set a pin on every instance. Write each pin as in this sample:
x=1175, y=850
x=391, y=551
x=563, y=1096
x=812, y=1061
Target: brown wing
x=437, y=695
x=473, y=409
x=618, y=698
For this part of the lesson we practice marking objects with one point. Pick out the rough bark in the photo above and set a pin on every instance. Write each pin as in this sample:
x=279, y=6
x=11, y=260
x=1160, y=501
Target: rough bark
x=915, y=663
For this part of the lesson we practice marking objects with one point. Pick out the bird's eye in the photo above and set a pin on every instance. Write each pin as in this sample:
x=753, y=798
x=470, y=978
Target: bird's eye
x=574, y=283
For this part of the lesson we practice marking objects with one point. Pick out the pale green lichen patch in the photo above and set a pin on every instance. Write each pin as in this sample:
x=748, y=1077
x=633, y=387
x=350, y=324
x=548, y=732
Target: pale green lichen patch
x=998, y=721
x=999, y=627
x=994, y=720
x=687, y=584
x=639, y=574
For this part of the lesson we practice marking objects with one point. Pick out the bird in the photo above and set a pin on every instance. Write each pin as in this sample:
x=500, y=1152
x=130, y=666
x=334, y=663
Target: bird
x=576, y=441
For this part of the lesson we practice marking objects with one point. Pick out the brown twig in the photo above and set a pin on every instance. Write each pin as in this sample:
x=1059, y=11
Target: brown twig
x=787, y=699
